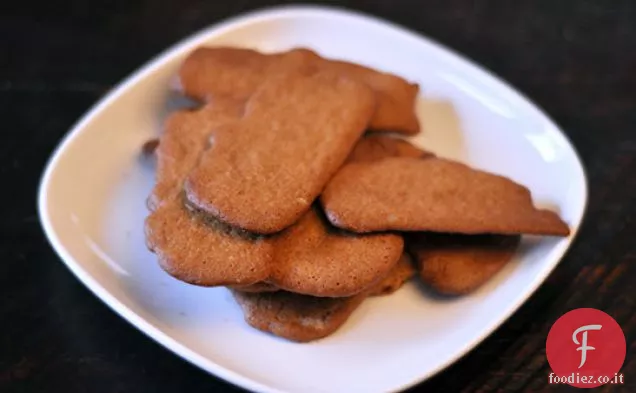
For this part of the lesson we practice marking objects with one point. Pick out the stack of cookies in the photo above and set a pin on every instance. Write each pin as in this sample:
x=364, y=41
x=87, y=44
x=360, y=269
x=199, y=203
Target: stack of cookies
x=291, y=186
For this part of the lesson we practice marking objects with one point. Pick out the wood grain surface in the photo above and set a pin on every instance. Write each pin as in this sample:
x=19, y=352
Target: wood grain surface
x=576, y=59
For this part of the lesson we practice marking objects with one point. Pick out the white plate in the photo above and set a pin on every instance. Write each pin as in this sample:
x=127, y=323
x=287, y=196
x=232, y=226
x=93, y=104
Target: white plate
x=92, y=207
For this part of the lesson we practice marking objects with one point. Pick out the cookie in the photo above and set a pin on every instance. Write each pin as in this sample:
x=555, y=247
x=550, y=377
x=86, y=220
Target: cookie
x=184, y=139
x=303, y=318
x=400, y=274
x=202, y=251
x=263, y=172
x=238, y=72
x=295, y=317
x=316, y=259
x=433, y=194
x=459, y=264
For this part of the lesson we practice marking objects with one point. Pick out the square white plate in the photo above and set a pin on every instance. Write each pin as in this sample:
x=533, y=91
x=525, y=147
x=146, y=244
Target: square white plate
x=92, y=207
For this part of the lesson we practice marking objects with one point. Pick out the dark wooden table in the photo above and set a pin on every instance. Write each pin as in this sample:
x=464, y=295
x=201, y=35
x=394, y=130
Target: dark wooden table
x=577, y=59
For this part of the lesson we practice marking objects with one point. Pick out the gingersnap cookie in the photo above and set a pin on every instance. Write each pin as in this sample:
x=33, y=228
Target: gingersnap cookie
x=433, y=194
x=185, y=137
x=202, y=251
x=454, y=264
x=238, y=72
x=262, y=173
x=296, y=317
x=314, y=258
x=305, y=318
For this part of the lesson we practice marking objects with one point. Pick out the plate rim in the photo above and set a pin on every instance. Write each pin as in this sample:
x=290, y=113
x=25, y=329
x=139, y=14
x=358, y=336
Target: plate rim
x=218, y=28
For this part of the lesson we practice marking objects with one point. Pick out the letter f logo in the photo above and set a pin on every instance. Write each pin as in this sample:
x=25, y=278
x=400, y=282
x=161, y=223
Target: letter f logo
x=584, y=347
